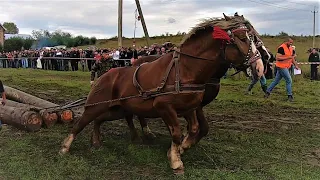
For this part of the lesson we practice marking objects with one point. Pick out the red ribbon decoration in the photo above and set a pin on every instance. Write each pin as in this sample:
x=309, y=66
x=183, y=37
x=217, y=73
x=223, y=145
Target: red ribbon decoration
x=219, y=33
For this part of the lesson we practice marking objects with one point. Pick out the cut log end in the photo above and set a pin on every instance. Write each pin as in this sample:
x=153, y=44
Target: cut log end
x=67, y=116
x=49, y=118
x=32, y=121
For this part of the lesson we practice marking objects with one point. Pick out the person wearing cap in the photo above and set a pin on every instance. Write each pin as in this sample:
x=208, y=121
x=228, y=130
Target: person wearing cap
x=101, y=66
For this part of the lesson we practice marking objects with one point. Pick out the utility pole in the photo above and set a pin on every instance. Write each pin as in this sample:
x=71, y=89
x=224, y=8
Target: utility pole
x=120, y=23
x=143, y=22
x=314, y=27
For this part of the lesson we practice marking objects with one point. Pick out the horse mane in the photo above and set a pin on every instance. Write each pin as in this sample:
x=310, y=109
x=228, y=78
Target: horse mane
x=211, y=22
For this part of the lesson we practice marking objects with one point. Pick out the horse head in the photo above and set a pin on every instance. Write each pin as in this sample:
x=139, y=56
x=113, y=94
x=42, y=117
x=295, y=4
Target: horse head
x=242, y=52
x=255, y=37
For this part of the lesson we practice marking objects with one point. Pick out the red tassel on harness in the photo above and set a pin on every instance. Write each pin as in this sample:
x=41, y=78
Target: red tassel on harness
x=219, y=33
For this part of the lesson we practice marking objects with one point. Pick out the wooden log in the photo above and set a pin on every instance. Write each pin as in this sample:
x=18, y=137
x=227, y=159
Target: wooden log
x=66, y=116
x=49, y=118
x=22, y=97
x=20, y=118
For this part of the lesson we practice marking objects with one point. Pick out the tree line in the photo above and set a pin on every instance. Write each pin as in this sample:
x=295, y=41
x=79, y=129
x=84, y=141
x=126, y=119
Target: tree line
x=42, y=38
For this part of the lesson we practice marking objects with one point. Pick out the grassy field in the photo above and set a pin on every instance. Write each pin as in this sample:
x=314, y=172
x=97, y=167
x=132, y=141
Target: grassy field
x=250, y=137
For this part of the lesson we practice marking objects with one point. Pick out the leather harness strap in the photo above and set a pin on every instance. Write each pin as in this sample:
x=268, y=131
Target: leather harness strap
x=168, y=89
x=135, y=81
x=165, y=77
x=176, y=57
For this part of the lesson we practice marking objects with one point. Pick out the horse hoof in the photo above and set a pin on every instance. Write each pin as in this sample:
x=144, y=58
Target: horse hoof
x=136, y=140
x=63, y=151
x=150, y=136
x=96, y=145
x=181, y=150
x=179, y=171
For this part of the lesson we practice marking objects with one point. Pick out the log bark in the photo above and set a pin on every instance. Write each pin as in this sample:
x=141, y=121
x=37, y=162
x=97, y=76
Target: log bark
x=22, y=97
x=20, y=118
x=49, y=118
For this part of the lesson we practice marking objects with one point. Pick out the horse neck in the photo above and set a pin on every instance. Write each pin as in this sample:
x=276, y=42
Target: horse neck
x=199, y=71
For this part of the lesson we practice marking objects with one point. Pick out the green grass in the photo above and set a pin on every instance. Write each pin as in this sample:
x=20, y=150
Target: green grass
x=250, y=137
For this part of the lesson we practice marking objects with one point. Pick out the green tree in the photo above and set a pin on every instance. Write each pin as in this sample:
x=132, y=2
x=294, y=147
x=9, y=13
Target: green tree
x=93, y=40
x=39, y=34
x=70, y=42
x=11, y=28
x=28, y=43
x=79, y=41
x=283, y=34
x=86, y=41
x=62, y=38
x=13, y=44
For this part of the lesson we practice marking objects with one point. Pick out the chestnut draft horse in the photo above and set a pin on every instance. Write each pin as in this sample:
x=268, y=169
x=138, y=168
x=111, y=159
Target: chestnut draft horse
x=212, y=87
x=179, y=91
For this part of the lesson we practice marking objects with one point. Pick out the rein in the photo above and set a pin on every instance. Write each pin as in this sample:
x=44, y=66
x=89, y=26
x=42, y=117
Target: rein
x=194, y=57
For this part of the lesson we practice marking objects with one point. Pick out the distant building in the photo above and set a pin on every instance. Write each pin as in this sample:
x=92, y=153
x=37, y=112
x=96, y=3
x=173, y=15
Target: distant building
x=2, y=32
x=23, y=36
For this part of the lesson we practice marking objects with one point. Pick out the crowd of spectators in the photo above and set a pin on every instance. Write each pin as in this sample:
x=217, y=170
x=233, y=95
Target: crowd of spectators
x=72, y=59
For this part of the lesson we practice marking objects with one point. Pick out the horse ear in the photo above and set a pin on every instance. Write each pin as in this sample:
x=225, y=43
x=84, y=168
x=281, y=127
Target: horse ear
x=226, y=17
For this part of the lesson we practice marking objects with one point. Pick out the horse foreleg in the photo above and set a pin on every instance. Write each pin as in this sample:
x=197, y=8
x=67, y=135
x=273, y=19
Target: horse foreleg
x=203, y=124
x=169, y=116
x=193, y=131
x=133, y=131
x=88, y=116
x=145, y=129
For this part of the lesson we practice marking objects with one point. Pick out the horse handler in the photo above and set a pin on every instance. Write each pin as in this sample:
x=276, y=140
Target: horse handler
x=101, y=66
x=284, y=59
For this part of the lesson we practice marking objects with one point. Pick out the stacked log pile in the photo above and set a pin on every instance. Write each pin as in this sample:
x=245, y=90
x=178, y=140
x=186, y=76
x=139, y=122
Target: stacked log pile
x=30, y=113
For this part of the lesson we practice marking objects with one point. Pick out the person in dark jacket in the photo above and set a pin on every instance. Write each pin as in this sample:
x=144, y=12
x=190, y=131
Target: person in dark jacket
x=74, y=62
x=269, y=73
x=101, y=66
x=314, y=57
x=3, y=96
x=89, y=55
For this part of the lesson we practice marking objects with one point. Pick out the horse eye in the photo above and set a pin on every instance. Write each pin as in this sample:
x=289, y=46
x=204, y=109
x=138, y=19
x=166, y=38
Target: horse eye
x=243, y=39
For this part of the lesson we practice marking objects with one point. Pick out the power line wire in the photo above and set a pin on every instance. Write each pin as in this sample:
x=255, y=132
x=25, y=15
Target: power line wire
x=274, y=5
x=301, y=3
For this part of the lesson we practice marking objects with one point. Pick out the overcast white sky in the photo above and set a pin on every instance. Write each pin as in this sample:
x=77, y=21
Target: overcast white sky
x=99, y=17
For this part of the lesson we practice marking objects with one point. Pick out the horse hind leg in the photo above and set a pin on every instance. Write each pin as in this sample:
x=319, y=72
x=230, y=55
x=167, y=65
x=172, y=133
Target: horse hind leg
x=133, y=131
x=193, y=131
x=193, y=138
x=96, y=133
x=88, y=116
x=147, y=133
